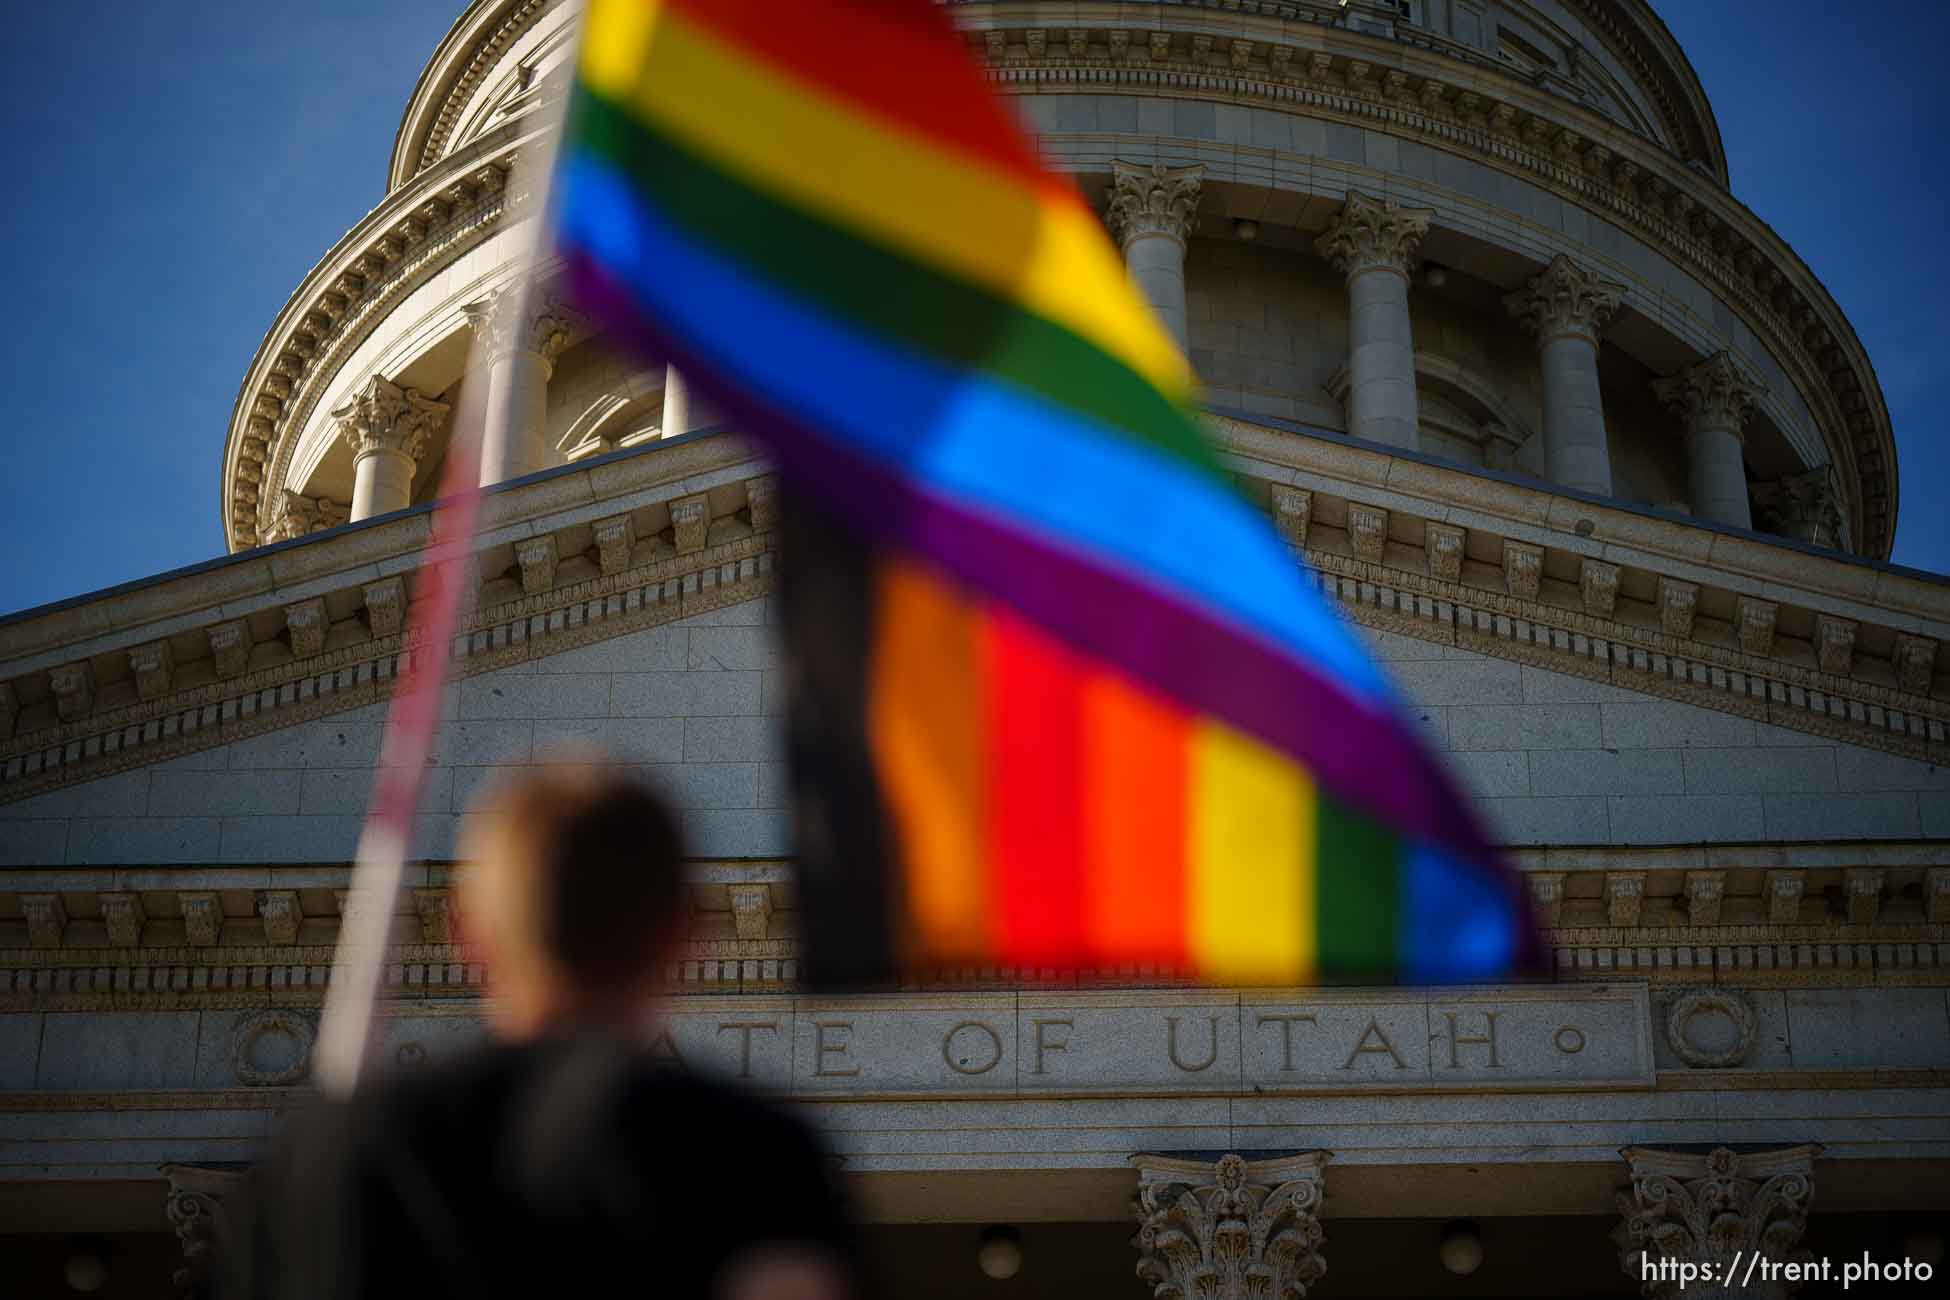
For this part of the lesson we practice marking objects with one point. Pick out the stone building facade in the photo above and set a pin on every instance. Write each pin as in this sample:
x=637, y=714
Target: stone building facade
x=1587, y=451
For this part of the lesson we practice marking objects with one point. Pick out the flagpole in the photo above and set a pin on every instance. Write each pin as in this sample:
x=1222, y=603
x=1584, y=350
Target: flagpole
x=440, y=592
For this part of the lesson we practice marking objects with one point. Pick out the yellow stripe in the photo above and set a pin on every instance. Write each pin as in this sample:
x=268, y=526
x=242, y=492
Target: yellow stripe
x=789, y=137
x=1252, y=832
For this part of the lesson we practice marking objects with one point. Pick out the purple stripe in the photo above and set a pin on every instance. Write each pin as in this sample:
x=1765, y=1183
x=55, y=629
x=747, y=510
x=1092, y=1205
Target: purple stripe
x=1366, y=759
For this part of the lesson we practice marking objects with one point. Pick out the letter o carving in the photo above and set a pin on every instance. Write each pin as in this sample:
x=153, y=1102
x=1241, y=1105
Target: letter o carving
x=284, y=1024
x=1568, y=1039
x=1694, y=1002
x=948, y=1044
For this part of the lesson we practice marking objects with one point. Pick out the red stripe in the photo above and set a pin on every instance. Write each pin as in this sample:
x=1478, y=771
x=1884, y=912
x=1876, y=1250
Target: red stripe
x=1134, y=818
x=900, y=60
x=1033, y=715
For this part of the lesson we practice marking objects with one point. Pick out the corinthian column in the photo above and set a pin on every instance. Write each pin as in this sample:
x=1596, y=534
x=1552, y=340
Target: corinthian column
x=1564, y=309
x=387, y=428
x=1152, y=210
x=1713, y=399
x=1373, y=243
x=1230, y=1230
x=519, y=342
x=1692, y=1218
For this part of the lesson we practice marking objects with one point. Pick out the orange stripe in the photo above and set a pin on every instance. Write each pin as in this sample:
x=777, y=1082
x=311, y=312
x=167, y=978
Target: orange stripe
x=927, y=744
x=1134, y=823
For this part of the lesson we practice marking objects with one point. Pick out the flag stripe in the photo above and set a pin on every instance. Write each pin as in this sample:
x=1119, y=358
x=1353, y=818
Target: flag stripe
x=793, y=140
x=881, y=291
x=902, y=71
x=1252, y=869
x=1360, y=893
x=1135, y=837
x=1034, y=725
x=927, y=737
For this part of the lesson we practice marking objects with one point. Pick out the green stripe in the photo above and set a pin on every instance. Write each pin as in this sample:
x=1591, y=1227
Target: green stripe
x=1359, y=874
x=882, y=290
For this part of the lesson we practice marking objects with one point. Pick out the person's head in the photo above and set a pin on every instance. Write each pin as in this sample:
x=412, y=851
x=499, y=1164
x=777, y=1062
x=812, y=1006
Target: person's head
x=571, y=890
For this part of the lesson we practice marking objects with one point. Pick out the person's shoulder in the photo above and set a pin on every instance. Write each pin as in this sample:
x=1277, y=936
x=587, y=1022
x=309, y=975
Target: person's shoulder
x=725, y=1110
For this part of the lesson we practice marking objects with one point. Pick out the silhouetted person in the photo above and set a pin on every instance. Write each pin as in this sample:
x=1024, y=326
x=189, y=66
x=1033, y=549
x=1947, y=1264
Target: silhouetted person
x=558, y=1159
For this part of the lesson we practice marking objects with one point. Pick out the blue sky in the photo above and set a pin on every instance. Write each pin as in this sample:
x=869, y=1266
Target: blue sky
x=174, y=169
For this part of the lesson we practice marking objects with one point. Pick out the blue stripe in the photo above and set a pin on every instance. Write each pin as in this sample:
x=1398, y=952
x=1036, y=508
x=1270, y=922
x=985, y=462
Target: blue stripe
x=968, y=437
x=1458, y=925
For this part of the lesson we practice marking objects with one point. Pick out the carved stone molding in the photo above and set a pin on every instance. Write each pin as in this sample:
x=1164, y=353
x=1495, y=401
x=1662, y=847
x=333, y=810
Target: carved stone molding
x=1374, y=235
x=202, y=918
x=1624, y=890
x=1915, y=661
x=1565, y=299
x=385, y=605
x=1367, y=530
x=1293, y=510
x=1804, y=506
x=1710, y=1210
x=305, y=623
x=294, y=516
x=382, y=416
x=690, y=521
x=1784, y=891
x=1835, y=644
x=615, y=538
x=152, y=665
x=47, y=919
x=435, y=908
x=1862, y=893
x=197, y=1211
x=751, y=910
x=1678, y=602
x=536, y=557
x=1546, y=896
x=1523, y=569
x=1153, y=200
x=1598, y=587
x=1753, y=624
x=1235, y=1229
x=74, y=690
x=1705, y=890
x=508, y=321
x=282, y=915
x=1443, y=544
x=1714, y=394
x=247, y=1039
x=230, y=648
x=122, y=914
x=1689, y=1004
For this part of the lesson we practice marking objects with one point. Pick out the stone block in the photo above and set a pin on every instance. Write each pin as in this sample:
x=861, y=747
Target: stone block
x=737, y=832
x=109, y=1051
x=625, y=740
x=707, y=785
x=1459, y=681
x=1525, y=726
x=20, y=1050
x=1534, y=820
x=535, y=695
x=686, y=694
x=1667, y=724
x=144, y=841
x=1542, y=686
x=653, y=649
x=223, y=794
x=1869, y=769
x=750, y=1040
x=731, y=740
x=33, y=843
x=1685, y=819
x=125, y=794
x=1859, y=815
x=1492, y=773
x=1859, y=1028
x=1608, y=772
x=1178, y=1041
x=774, y=785
x=484, y=742
x=324, y=839
x=334, y=742
x=1809, y=770
x=719, y=649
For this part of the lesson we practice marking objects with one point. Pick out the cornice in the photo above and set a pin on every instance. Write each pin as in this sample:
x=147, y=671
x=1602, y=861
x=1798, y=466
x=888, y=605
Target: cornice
x=1570, y=151
x=463, y=59
x=411, y=236
x=1647, y=914
x=653, y=577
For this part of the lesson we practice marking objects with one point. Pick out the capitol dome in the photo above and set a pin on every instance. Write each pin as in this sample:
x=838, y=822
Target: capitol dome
x=1496, y=235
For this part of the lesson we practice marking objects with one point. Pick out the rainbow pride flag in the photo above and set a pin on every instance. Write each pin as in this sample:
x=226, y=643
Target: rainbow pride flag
x=1060, y=698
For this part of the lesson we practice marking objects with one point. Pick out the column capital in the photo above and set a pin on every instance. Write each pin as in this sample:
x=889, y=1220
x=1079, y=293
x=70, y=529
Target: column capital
x=1374, y=235
x=1153, y=200
x=294, y=515
x=1714, y=394
x=382, y=416
x=1709, y=1208
x=1565, y=299
x=1232, y=1228
x=507, y=322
